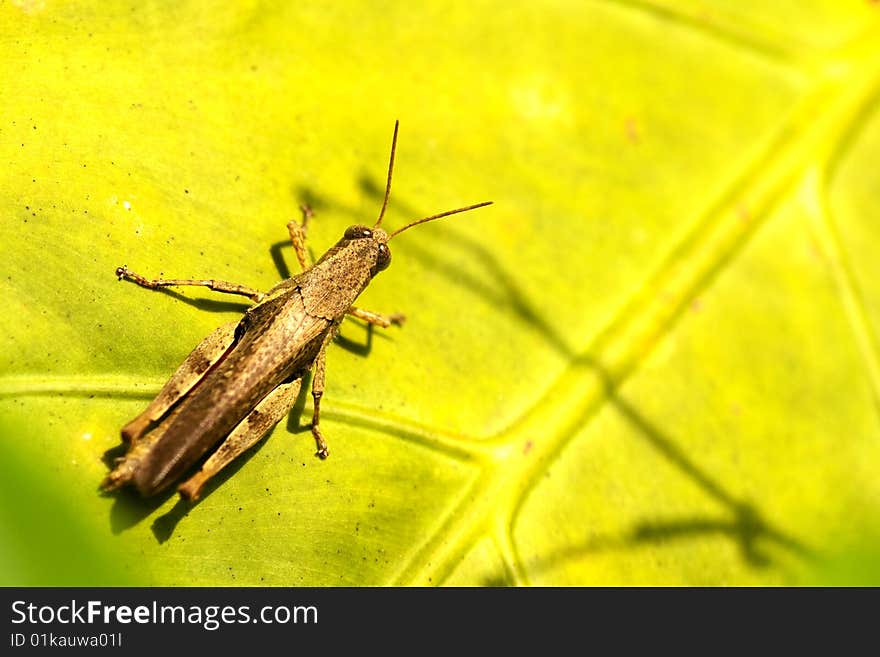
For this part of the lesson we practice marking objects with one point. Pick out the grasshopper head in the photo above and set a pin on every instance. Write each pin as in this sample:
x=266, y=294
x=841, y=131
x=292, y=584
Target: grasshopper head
x=379, y=239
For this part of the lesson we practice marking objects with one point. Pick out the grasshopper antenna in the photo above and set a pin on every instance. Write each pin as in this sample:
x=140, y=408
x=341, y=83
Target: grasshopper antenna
x=438, y=216
x=388, y=182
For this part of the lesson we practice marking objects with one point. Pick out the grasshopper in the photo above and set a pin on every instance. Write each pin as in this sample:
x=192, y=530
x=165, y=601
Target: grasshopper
x=242, y=379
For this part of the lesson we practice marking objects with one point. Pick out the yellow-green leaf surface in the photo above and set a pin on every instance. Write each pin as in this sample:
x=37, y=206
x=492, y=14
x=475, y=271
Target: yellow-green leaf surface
x=653, y=361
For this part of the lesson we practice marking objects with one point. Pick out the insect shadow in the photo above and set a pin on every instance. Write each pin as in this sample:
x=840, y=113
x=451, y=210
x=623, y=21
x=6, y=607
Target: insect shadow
x=202, y=303
x=743, y=521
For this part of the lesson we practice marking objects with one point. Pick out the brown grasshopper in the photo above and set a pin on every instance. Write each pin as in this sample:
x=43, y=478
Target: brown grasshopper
x=241, y=380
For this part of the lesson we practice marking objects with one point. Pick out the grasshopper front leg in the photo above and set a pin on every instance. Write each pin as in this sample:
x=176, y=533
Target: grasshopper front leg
x=376, y=319
x=298, y=236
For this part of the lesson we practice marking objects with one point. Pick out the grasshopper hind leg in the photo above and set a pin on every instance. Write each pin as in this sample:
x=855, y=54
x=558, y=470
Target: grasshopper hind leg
x=190, y=372
x=147, y=428
x=249, y=431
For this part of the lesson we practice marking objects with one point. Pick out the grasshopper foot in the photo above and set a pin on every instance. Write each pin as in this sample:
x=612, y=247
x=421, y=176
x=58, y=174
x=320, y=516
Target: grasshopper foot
x=321, y=444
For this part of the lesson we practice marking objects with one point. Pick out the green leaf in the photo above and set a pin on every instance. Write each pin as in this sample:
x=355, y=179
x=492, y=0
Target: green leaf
x=653, y=361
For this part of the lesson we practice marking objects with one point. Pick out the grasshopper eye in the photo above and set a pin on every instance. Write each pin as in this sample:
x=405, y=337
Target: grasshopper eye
x=383, y=259
x=357, y=232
